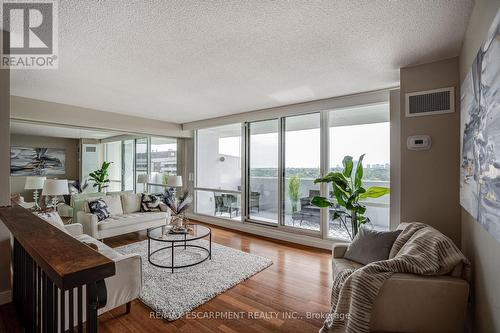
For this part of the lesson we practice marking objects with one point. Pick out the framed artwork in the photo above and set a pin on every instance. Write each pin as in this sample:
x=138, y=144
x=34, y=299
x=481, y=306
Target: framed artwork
x=37, y=161
x=480, y=134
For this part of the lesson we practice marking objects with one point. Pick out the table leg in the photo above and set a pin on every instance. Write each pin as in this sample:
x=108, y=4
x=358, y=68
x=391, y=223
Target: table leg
x=210, y=246
x=173, y=244
x=185, y=241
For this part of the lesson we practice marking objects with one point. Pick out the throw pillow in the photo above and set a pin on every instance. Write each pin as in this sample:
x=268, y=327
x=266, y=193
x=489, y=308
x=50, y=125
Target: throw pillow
x=131, y=203
x=371, y=245
x=54, y=219
x=150, y=203
x=114, y=204
x=99, y=208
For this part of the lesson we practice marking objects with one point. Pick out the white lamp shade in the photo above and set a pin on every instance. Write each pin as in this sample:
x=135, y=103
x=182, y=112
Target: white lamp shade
x=174, y=181
x=142, y=178
x=55, y=187
x=34, y=183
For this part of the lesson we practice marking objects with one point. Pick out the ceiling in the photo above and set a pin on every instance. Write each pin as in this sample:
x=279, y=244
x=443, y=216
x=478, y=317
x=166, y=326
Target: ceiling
x=183, y=61
x=25, y=128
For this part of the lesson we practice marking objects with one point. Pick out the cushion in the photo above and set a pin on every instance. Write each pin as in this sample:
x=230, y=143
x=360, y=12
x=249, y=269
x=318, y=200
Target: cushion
x=99, y=208
x=131, y=203
x=371, y=245
x=54, y=219
x=150, y=203
x=114, y=203
x=119, y=221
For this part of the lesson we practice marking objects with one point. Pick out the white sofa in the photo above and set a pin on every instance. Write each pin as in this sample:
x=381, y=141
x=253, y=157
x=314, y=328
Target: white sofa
x=126, y=216
x=126, y=284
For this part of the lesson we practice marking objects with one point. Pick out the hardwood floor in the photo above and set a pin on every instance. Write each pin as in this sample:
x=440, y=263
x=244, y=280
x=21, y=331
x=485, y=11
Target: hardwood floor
x=298, y=283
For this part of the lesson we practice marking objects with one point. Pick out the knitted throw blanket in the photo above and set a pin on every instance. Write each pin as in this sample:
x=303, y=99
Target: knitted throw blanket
x=419, y=249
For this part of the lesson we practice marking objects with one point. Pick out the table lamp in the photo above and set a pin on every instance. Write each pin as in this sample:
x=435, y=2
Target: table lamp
x=174, y=181
x=35, y=183
x=54, y=188
x=143, y=179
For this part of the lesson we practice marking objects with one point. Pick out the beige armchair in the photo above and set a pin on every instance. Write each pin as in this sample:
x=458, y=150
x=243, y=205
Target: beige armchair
x=413, y=303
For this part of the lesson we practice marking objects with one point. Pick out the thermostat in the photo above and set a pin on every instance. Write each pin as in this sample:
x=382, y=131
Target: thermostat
x=419, y=142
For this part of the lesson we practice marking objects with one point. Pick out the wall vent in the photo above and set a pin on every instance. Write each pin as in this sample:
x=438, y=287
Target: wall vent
x=90, y=149
x=430, y=102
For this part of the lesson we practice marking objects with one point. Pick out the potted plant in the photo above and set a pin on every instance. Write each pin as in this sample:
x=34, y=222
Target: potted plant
x=294, y=192
x=100, y=177
x=178, y=207
x=348, y=194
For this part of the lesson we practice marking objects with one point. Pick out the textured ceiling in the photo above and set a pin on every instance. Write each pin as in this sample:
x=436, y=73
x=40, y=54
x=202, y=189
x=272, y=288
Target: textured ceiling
x=182, y=61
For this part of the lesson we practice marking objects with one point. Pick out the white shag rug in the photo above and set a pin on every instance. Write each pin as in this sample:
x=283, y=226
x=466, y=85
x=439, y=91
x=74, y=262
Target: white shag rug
x=174, y=294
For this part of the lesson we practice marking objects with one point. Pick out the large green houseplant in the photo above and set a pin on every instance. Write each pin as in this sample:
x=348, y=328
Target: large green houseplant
x=348, y=194
x=100, y=177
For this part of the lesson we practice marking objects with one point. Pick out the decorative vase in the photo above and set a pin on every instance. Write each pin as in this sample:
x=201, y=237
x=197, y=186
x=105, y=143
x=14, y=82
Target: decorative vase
x=177, y=221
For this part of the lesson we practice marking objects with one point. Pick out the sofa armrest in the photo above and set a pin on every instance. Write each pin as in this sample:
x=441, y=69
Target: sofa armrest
x=89, y=223
x=126, y=284
x=422, y=303
x=74, y=229
x=339, y=249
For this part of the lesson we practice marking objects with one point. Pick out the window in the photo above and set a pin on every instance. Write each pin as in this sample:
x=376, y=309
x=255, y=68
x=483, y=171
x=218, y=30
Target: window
x=218, y=171
x=141, y=162
x=263, y=172
x=281, y=158
x=113, y=154
x=128, y=165
x=163, y=162
x=356, y=131
x=302, y=166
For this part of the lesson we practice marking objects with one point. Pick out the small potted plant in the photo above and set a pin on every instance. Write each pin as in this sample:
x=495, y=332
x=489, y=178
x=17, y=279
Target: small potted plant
x=348, y=194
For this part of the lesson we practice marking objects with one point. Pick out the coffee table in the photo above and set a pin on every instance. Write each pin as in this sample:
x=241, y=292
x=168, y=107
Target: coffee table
x=180, y=241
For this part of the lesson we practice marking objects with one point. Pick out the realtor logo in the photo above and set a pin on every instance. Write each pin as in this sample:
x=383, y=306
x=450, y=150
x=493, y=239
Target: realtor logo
x=32, y=26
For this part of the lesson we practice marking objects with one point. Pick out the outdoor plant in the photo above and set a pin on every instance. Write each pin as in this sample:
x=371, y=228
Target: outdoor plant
x=294, y=192
x=348, y=194
x=100, y=177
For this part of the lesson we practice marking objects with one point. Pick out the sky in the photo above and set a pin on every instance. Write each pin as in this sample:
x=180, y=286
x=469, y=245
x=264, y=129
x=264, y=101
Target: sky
x=303, y=146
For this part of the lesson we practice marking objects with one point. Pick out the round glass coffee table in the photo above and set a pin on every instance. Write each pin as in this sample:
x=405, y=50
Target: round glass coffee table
x=181, y=241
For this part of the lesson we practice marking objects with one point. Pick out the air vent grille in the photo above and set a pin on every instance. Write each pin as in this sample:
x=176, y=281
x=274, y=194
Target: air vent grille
x=90, y=149
x=430, y=102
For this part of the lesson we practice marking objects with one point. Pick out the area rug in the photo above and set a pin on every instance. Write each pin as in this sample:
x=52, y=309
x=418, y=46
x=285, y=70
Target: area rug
x=171, y=295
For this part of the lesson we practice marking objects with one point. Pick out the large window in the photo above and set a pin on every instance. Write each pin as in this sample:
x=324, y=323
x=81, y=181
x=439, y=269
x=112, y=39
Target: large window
x=281, y=159
x=302, y=166
x=163, y=157
x=141, y=163
x=263, y=171
x=356, y=131
x=218, y=171
x=128, y=165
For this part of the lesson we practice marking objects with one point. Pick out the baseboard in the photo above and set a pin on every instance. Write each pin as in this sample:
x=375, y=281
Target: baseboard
x=5, y=297
x=265, y=231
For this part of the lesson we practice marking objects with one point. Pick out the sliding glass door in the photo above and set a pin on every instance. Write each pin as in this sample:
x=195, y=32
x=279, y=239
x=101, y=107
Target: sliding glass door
x=128, y=165
x=113, y=154
x=218, y=171
x=267, y=175
x=263, y=162
x=302, y=155
x=362, y=130
x=141, y=164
